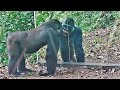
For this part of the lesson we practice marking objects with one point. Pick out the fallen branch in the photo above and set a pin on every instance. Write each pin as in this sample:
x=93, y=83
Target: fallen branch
x=86, y=65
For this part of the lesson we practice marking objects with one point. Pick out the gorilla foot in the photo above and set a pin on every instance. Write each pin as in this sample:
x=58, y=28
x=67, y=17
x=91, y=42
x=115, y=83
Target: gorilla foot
x=73, y=60
x=16, y=74
x=44, y=73
x=81, y=61
x=25, y=70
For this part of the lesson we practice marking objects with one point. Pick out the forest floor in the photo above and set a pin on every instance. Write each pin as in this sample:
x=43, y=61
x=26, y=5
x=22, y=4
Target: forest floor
x=101, y=46
x=69, y=73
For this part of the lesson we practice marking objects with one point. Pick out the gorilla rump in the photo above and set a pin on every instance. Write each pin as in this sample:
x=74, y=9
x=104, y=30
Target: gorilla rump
x=21, y=42
x=73, y=34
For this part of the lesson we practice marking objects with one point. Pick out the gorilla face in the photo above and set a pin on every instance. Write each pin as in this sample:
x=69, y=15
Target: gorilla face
x=68, y=28
x=68, y=25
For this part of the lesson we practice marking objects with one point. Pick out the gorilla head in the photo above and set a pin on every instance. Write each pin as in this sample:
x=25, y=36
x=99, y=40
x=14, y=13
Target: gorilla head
x=70, y=21
x=54, y=24
x=68, y=26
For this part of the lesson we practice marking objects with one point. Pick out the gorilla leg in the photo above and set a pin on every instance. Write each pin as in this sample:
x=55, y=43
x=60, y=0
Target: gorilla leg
x=51, y=56
x=80, y=56
x=11, y=65
x=72, y=58
x=64, y=49
x=79, y=52
x=51, y=64
x=13, y=54
x=22, y=68
x=65, y=55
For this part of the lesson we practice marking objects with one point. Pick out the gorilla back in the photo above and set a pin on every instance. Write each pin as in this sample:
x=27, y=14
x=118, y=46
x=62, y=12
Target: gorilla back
x=46, y=34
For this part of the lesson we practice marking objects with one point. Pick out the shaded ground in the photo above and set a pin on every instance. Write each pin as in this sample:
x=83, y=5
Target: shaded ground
x=101, y=46
x=71, y=73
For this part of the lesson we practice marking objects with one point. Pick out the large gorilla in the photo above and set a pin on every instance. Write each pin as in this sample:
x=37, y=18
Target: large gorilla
x=73, y=35
x=21, y=42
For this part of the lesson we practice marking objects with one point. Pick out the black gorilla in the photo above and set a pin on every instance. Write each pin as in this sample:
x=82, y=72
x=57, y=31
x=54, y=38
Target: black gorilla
x=21, y=42
x=74, y=34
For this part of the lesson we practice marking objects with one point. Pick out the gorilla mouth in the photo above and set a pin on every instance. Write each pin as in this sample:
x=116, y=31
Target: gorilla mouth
x=68, y=28
x=65, y=32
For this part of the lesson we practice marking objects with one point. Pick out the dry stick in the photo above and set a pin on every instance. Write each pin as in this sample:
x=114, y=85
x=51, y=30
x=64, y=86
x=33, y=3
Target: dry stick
x=86, y=65
x=68, y=43
x=35, y=27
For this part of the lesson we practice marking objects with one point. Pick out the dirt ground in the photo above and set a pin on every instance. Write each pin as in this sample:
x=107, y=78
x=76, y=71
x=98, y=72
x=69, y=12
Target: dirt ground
x=69, y=73
x=99, y=49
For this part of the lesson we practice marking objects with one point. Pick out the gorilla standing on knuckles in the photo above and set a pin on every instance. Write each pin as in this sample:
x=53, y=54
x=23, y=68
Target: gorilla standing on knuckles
x=74, y=38
x=21, y=42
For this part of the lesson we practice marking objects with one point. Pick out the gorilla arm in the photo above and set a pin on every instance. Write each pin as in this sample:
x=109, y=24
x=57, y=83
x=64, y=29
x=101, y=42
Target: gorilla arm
x=52, y=50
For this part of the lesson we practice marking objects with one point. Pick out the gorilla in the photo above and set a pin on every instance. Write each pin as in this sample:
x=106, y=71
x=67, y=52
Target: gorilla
x=21, y=42
x=70, y=39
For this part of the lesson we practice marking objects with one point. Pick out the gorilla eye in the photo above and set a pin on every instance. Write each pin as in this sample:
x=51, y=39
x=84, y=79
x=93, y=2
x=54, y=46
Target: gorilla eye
x=67, y=27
